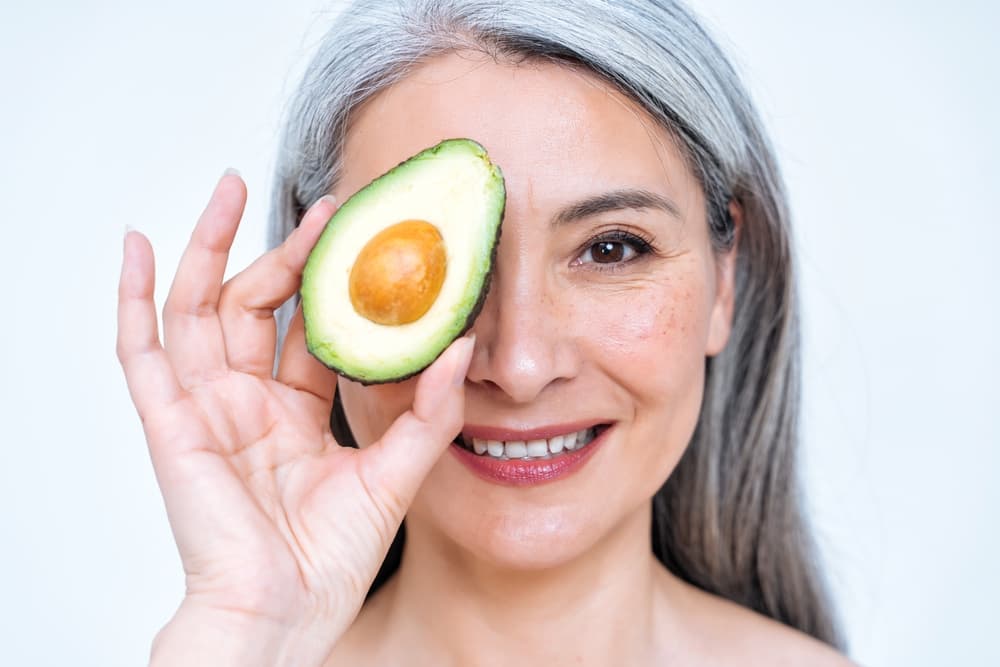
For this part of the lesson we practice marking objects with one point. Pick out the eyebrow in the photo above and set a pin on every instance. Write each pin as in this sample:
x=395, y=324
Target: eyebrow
x=615, y=200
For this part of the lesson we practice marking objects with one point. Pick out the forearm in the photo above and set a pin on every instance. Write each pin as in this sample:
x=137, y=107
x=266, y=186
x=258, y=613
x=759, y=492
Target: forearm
x=219, y=639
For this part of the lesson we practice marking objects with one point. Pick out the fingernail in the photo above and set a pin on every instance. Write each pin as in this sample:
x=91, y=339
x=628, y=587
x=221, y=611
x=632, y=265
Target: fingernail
x=462, y=369
x=328, y=199
x=231, y=171
x=128, y=228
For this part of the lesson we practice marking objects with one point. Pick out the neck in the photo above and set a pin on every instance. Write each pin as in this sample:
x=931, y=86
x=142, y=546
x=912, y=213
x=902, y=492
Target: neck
x=599, y=608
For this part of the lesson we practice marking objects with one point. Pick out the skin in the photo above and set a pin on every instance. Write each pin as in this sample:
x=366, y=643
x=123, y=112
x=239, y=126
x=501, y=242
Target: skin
x=508, y=574
x=280, y=530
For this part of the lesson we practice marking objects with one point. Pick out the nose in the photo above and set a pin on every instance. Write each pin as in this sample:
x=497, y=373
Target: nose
x=524, y=344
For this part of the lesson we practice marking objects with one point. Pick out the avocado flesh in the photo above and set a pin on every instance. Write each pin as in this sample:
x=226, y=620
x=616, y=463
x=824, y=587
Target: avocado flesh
x=453, y=186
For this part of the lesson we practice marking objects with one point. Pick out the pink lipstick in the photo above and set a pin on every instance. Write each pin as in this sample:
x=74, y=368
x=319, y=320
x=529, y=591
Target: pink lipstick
x=526, y=457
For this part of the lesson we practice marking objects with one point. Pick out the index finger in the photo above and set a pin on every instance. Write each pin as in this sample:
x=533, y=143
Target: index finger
x=248, y=301
x=299, y=369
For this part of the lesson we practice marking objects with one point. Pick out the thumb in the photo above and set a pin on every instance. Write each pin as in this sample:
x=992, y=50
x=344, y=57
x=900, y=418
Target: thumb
x=395, y=466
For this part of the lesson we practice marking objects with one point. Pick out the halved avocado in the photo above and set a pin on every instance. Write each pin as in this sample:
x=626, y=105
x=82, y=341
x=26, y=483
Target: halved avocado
x=403, y=266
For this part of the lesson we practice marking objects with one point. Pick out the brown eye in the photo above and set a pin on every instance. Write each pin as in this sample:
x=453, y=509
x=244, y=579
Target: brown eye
x=614, y=249
x=608, y=252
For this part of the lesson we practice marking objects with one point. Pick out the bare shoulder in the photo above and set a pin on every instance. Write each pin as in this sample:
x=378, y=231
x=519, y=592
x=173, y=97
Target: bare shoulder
x=724, y=633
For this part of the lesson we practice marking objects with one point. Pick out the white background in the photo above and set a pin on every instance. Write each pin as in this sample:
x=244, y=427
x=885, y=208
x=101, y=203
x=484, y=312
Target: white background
x=884, y=117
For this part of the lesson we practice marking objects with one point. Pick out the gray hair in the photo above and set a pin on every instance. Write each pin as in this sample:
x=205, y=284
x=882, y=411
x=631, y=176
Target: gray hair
x=729, y=518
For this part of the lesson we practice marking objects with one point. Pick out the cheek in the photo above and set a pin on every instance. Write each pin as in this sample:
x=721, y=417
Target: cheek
x=371, y=410
x=663, y=325
x=653, y=352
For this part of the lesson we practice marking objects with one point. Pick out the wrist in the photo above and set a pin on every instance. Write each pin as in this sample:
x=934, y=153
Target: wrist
x=202, y=636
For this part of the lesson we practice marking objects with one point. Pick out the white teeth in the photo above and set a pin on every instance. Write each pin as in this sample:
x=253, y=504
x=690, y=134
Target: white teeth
x=569, y=441
x=515, y=449
x=531, y=449
x=537, y=448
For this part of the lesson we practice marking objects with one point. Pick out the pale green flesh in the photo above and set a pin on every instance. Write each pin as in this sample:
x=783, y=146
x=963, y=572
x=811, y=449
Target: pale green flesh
x=456, y=188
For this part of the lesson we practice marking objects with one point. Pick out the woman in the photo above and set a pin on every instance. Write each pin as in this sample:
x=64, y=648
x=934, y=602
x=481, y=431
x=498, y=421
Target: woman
x=641, y=308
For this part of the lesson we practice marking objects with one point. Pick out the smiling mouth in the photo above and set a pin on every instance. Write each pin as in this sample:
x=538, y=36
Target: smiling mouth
x=531, y=450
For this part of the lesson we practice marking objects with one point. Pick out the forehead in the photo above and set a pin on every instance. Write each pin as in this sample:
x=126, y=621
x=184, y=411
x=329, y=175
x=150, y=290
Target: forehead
x=553, y=129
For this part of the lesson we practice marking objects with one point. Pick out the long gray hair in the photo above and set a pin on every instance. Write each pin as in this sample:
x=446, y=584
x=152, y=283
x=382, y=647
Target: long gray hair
x=729, y=518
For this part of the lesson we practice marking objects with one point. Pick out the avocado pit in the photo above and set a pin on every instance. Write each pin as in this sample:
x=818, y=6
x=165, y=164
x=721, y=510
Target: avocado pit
x=398, y=274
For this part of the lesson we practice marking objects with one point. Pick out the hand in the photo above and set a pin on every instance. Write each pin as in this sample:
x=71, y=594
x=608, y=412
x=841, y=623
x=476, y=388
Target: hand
x=280, y=530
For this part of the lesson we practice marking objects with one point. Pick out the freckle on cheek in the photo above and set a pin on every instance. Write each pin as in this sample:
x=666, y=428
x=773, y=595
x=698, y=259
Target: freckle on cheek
x=645, y=324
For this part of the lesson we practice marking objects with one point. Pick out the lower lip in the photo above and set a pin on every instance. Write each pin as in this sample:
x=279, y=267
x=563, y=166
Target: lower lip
x=519, y=472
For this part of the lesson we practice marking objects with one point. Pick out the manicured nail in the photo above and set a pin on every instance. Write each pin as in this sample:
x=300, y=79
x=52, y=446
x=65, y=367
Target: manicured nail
x=462, y=369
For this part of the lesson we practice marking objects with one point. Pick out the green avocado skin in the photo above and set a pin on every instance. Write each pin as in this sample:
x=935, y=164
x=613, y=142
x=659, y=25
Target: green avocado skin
x=342, y=348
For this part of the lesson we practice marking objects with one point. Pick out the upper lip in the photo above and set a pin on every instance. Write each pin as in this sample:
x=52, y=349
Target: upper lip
x=484, y=432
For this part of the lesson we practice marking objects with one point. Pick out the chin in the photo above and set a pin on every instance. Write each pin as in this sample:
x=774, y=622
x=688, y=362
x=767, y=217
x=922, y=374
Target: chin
x=512, y=541
x=509, y=528
x=550, y=537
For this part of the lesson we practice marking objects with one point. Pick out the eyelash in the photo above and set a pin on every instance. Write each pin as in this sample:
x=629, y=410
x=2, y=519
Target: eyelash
x=640, y=246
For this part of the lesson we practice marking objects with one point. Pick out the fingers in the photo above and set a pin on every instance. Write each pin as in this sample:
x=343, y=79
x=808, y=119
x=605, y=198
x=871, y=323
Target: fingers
x=191, y=327
x=151, y=380
x=299, y=369
x=248, y=301
x=396, y=465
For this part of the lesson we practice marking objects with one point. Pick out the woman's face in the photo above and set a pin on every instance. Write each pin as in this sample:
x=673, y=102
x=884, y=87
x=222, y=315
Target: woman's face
x=606, y=298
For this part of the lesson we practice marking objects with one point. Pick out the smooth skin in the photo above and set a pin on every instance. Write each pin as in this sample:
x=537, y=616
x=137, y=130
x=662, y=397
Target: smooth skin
x=281, y=531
